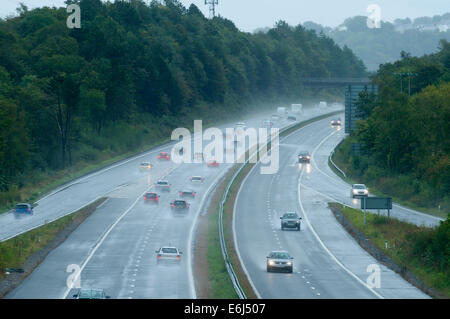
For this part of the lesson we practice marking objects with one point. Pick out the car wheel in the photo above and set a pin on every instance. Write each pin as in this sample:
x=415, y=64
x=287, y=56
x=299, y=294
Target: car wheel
x=268, y=269
x=282, y=228
x=291, y=270
x=298, y=227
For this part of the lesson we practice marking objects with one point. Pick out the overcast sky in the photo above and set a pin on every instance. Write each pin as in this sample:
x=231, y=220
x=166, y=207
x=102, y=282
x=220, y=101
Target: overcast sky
x=251, y=14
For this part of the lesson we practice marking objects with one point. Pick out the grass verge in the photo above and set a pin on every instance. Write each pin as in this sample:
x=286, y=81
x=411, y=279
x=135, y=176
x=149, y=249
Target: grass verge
x=27, y=250
x=382, y=187
x=419, y=254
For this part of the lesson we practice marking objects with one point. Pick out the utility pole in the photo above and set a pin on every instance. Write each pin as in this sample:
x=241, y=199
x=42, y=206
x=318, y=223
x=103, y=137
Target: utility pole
x=212, y=7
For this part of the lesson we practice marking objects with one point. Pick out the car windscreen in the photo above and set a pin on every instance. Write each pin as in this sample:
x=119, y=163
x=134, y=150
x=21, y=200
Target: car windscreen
x=280, y=255
x=290, y=216
x=163, y=183
x=169, y=250
x=150, y=195
x=360, y=187
x=22, y=206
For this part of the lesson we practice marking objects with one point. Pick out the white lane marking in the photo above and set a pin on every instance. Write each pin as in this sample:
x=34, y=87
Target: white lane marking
x=320, y=240
x=340, y=181
x=191, y=233
x=236, y=245
x=100, y=242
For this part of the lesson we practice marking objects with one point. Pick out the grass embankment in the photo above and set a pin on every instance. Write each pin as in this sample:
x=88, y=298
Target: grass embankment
x=16, y=251
x=423, y=251
x=404, y=189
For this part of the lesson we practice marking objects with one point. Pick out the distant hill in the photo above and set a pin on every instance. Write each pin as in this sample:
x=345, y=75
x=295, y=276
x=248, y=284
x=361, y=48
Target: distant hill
x=376, y=46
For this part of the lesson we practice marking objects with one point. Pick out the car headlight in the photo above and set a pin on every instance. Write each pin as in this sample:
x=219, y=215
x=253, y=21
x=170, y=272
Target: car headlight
x=271, y=263
x=355, y=191
x=289, y=263
x=366, y=191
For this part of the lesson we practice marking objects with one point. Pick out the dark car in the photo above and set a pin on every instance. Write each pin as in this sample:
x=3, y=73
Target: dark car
x=164, y=156
x=187, y=193
x=291, y=118
x=151, y=197
x=280, y=260
x=179, y=205
x=23, y=208
x=91, y=294
x=163, y=185
x=290, y=220
x=304, y=157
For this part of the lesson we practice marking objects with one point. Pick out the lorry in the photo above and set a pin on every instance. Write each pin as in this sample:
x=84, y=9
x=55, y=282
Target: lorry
x=297, y=108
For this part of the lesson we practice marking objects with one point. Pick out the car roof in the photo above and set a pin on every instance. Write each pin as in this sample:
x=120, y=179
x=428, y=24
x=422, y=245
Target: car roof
x=303, y=152
x=359, y=185
x=162, y=181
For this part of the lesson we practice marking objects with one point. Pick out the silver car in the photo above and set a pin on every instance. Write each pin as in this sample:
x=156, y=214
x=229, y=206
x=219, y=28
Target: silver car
x=290, y=220
x=359, y=190
x=171, y=254
x=281, y=261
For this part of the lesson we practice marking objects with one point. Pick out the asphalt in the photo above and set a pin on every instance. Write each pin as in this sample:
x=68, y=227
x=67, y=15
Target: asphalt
x=115, y=247
x=328, y=262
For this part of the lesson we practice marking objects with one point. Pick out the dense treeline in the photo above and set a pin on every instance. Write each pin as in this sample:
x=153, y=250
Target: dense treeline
x=377, y=46
x=407, y=138
x=132, y=73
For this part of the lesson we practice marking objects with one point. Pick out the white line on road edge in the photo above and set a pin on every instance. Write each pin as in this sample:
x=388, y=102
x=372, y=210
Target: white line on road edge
x=236, y=245
x=99, y=243
x=192, y=230
x=339, y=180
x=317, y=236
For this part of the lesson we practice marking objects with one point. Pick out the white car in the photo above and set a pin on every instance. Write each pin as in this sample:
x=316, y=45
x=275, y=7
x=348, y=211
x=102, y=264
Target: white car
x=359, y=190
x=168, y=254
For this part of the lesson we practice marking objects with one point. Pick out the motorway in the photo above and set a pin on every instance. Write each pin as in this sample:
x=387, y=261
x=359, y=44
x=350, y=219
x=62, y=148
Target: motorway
x=115, y=247
x=328, y=262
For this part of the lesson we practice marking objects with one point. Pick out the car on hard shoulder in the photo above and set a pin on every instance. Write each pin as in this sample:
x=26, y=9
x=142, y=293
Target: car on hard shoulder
x=290, y=220
x=151, y=197
x=197, y=179
x=280, y=261
x=163, y=185
x=179, y=205
x=187, y=193
x=146, y=166
x=23, y=208
x=164, y=156
x=84, y=293
x=168, y=254
x=304, y=157
x=359, y=190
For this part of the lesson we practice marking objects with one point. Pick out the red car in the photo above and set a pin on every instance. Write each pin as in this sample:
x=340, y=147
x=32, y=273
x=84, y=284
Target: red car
x=164, y=156
x=151, y=197
x=213, y=163
x=187, y=193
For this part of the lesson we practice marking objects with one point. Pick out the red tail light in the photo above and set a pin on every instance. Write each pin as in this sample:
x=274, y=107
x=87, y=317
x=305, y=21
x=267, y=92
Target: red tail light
x=193, y=194
x=171, y=205
x=178, y=257
x=187, y=206
x=28, y=209
x=15, y=210
x=159, y=256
